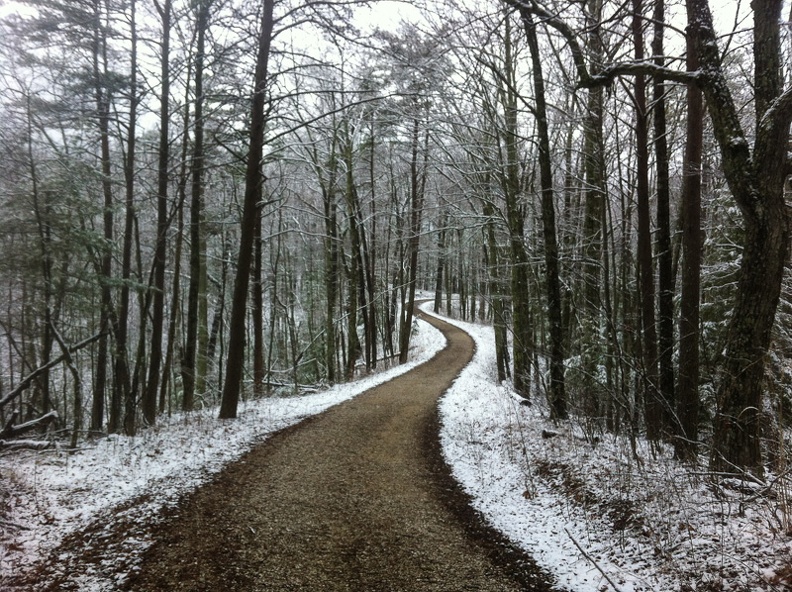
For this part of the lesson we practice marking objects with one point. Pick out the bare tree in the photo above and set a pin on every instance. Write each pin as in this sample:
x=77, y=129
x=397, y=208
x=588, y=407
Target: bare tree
x=235, y=359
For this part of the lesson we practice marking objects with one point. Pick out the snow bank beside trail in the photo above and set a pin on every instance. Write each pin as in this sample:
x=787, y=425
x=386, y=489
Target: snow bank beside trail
x=49, y=495
x=650, y=524
x=486, y=434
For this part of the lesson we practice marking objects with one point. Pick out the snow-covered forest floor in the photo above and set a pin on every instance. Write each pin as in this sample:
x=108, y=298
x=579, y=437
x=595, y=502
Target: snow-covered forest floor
x=600, y=518
x=591, y=514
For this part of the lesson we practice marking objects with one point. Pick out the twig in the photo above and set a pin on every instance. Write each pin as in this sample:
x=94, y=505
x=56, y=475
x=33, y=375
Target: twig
x=591, y=559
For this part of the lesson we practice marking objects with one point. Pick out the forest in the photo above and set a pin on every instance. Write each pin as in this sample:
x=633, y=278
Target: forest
x=205, y=201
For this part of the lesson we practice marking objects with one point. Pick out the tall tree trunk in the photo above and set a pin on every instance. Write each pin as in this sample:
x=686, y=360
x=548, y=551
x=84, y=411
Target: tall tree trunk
x=557, y=395
x=106, y=261
x=757, y=183
x=417, y=187
x=121, y=355
x=441, y=257
x=357, y=289
x=687, y=411
x=217, y=319
x=496, y=292
x=160, y=250
x=652, y=407
x=521, y=301
x=369, y=255
x=197, y=257
x=594, y=164
x=181, y=192
x=253, y=181
x=43, y=214
x=665, y=278
x=367, y=294
x=331, y=279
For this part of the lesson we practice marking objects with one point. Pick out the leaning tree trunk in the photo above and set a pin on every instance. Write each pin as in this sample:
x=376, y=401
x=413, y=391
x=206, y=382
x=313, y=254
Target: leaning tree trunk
x=235, y=359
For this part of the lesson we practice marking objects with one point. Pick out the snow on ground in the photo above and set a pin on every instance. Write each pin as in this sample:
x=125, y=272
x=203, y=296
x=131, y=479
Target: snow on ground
x=590, y=514
x=595, y=517
x=55, y=493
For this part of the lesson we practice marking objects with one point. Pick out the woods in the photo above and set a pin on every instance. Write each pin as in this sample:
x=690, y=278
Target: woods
x=215, y=200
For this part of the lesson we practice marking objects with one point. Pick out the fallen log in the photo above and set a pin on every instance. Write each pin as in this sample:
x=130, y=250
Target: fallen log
x=26, y=444
x=12, y=431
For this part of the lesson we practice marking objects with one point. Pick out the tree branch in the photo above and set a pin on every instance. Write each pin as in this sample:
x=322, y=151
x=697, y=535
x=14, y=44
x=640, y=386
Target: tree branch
x=28, y=380
x=610, y=73
x=777, y=115
x=552, y=20
x=593, y=562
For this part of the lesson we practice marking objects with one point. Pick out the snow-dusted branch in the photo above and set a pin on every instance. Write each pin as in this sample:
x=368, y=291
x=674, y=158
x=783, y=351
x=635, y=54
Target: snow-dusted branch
x=609, y=74
x=587, y=79
x=25, y=444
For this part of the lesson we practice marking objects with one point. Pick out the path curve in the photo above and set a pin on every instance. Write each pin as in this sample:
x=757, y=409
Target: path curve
x=357, y=499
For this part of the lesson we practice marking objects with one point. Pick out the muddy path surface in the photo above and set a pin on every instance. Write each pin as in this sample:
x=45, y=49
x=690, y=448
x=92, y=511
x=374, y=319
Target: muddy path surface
x=357, y=498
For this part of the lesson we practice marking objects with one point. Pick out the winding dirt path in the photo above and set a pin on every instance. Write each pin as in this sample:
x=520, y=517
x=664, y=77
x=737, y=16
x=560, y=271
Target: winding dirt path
x=357, y=499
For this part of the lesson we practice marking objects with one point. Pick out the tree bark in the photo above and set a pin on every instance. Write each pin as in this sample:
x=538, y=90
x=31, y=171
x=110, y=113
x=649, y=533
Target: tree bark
x=652, y=407
x=664, y=252
x=253, y=181
x=557, y=395
x=160, y=249
x=687, y=410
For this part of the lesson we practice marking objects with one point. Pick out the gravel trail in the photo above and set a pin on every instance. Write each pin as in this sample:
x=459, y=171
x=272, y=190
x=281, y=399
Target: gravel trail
x=357, y=498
